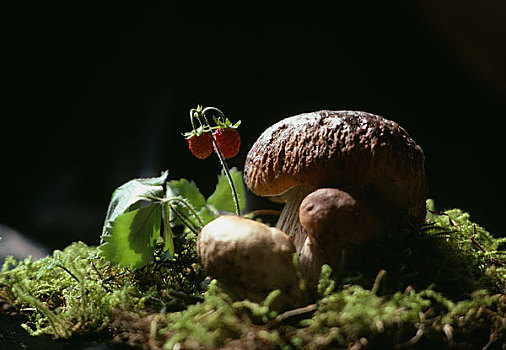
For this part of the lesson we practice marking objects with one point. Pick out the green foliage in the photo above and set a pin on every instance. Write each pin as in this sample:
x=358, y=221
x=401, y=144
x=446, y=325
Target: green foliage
x=218, y=319
x=74, y=291
x=133, y=237
x=140, y=208
x=127, y=197
x=68, y=291
x=131, y=231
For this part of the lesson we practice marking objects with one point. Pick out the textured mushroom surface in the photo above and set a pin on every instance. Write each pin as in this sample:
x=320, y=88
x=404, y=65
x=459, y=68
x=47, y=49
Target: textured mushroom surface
x=249, y=257
x=358, y=152
x=329, y=214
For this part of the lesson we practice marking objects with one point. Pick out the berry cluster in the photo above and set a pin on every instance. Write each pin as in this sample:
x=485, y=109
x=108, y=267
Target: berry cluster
x=202, y=139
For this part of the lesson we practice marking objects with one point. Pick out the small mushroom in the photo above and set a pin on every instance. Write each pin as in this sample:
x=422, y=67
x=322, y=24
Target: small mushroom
x=370, y=158
x=250, y=258
x=328, y=211
x=333, y=220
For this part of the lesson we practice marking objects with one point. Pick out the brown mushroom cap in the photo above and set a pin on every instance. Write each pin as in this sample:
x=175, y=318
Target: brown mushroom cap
x=358, y=152
x=249, y=257
x=329, y=214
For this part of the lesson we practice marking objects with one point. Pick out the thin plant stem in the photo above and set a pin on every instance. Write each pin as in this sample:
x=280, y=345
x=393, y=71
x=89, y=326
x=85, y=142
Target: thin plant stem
x=183, y=220
x=202, y=113
x=188, y=206
x=194, y=113
x=179, y=200
x=69, y=272
x=207, y=109
x=224, y=165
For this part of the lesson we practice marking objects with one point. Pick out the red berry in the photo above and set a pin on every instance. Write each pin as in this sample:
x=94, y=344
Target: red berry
x=228, y=141
x=201, y=146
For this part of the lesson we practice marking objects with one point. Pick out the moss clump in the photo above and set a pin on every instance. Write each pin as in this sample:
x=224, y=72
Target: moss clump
x=68, y=291
x=436, y=289
x=75, y=292
x=350, y=317
x=449, y=253
x=358, y=317
x=444, y=286
x=218, y=318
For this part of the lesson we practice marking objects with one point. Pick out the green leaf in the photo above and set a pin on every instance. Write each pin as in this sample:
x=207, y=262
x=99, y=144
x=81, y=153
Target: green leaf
x=186, y=189
x=132, y=192
x=207, y=215
x=132, y=238
x=222, y=197
x=188, y=195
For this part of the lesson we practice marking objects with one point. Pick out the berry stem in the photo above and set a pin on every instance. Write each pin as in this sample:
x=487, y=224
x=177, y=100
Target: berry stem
x=214, y=109
x=224, y=164
x=195, y=114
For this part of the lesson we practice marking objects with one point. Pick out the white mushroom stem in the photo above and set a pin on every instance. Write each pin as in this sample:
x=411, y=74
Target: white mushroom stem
x=288, y=221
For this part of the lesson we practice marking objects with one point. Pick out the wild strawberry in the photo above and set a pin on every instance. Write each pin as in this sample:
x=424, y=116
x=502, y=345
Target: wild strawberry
x=201, y=145
x=228, y=141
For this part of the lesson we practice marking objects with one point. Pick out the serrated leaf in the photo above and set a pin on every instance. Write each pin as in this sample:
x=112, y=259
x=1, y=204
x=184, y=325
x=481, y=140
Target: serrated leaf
x=186, y=189
x=222, y=197
x=132, y=238
x=127, y=195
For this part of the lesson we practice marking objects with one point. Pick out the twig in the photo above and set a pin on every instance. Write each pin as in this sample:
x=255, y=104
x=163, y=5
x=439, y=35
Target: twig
x=261, y=212
x=69, y=272
x=293, y=313
x=186, y=297
x=410, y=343
x=377, y=281
x=475, y=242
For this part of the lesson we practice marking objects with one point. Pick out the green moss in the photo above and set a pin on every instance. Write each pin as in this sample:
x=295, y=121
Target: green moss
x=449, y=253
x=218, y=318
x=68, y=291
x=434, y=288
x=440, y=285
x=74, y=291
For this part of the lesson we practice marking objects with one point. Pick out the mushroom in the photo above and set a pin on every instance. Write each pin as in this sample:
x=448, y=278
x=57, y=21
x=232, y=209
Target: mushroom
x=249, y=258
x=326, y=210
x=371, y=159
x=333, y=220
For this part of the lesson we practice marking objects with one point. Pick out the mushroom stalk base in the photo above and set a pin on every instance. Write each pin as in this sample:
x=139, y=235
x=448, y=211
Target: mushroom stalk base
x=310, y=254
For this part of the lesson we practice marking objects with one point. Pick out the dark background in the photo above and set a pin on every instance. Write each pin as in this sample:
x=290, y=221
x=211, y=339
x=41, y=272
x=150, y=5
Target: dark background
x=98, y=94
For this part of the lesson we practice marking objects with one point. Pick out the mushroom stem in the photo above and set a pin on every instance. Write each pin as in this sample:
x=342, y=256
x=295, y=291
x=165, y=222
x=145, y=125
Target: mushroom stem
x=288, y=221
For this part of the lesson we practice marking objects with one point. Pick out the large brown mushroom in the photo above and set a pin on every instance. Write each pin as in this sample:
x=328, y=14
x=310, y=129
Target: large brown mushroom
x=369, y=158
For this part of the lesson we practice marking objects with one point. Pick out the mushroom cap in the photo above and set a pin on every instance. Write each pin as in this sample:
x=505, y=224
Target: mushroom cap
x=358, y=152
x=329, y=214
x=248, y=256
